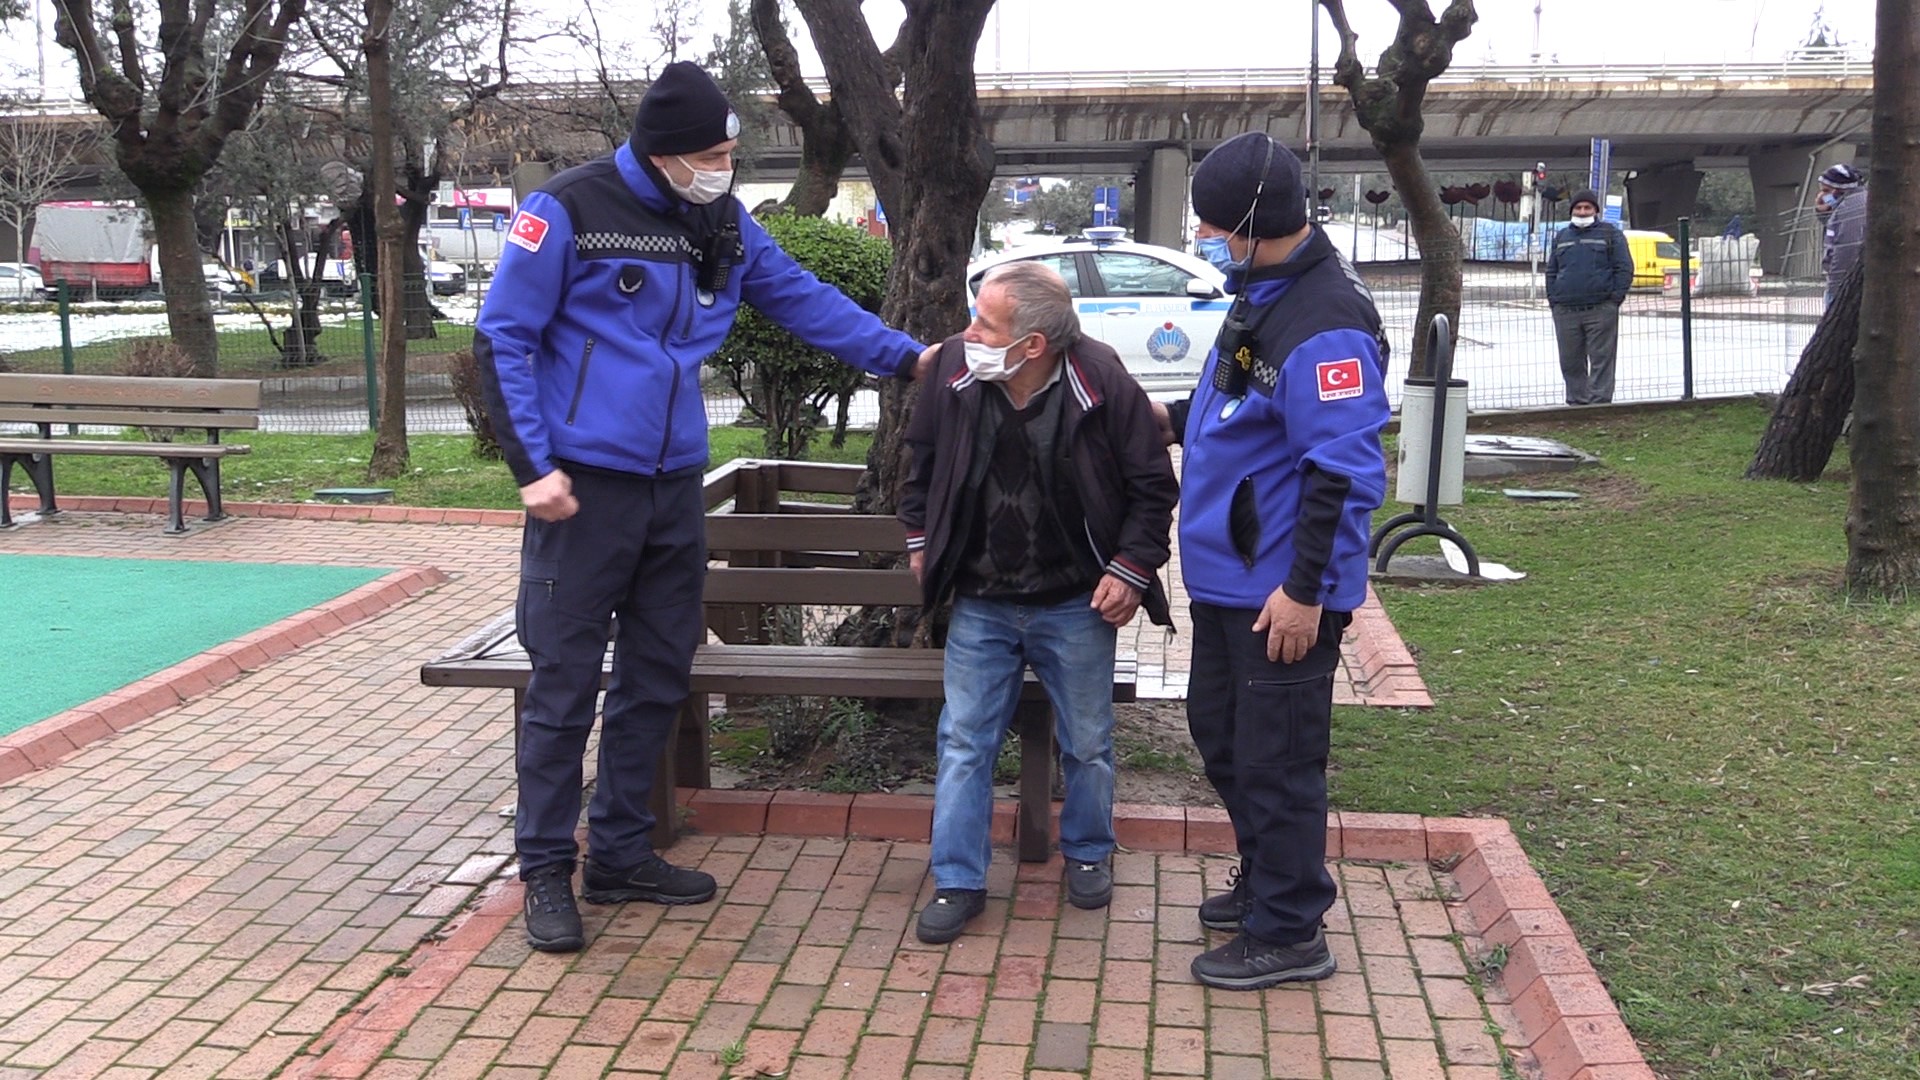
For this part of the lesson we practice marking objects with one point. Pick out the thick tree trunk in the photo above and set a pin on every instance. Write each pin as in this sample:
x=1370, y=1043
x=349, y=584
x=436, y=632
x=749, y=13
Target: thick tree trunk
x=189, y=309
x=390, y=445
x=1812, y=410
x=413, y=217
x=823, y=157
x=1440, y=248
x=1883, y=519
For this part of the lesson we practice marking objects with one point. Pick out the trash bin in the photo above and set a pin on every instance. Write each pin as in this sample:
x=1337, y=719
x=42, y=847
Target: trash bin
x=1416, y=441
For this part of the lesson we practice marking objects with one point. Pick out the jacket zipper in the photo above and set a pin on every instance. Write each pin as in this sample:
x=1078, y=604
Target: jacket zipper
x=580, y=385
x=666, y=437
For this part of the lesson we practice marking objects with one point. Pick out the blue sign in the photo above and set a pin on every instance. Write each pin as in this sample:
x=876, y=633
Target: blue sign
x=1599, y=164
x=1106, y=206
x=879, y=215
x=466, y=217
x=499, y=223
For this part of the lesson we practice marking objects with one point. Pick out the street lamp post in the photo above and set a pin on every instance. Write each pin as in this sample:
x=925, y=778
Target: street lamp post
x=1313, y=117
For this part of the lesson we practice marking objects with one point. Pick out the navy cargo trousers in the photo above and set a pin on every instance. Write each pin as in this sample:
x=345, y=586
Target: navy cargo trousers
x=1263, y=729
x=635, y=551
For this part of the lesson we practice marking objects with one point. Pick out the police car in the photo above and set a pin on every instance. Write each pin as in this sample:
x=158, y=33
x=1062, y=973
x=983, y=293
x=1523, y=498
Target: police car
x=1158, y=308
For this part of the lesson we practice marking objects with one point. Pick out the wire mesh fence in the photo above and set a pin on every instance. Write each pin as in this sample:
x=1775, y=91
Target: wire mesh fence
x=1742, y=335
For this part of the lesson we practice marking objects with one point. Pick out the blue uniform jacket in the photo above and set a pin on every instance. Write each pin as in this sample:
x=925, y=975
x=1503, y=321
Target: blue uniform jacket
x=593, y=332
x=1278, y=487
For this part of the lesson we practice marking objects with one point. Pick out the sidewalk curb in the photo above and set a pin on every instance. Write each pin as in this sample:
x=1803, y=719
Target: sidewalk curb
x=304, y=511
x=44, y=742
x=1556, y=1014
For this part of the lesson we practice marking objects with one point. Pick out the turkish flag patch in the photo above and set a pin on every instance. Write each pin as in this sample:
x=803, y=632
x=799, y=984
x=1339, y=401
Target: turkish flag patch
x=1340, y=379
x=528, y=230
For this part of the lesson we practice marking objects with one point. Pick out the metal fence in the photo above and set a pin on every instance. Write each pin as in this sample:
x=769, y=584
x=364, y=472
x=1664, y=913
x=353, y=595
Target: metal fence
x=1735, y=340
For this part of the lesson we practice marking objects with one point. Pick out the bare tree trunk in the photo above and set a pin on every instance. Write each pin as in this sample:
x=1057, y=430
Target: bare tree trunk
x=1883, y=519
x=189, y=309
x=1387, y=106
x=1440, y=248
x=1812, y=410
x=825, y=143
x=390, y=445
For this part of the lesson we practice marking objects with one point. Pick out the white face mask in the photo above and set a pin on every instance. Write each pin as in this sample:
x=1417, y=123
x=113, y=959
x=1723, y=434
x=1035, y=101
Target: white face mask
x=706, y=186
x=1581, y=221
x=989, y=362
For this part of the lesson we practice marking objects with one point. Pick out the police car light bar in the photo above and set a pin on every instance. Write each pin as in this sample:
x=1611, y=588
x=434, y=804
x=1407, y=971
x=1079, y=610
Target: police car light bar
x=1105, y=234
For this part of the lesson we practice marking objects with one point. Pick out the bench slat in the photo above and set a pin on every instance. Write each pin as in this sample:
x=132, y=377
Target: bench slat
x=122, y=449
x=819, y=477
x=804, y=532
x=802, y=670
x=124, y=417
x=37, y=388
x=786, y=585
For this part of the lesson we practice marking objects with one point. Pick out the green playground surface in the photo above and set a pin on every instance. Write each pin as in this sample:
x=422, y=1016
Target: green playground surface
x=75, y=627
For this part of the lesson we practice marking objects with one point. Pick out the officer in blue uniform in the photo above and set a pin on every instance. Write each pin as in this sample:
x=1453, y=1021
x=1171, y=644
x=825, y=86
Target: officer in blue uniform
x=1282, y=467
x=620, y=277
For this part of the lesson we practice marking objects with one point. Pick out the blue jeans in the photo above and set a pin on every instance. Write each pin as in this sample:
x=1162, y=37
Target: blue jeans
x=989, y=645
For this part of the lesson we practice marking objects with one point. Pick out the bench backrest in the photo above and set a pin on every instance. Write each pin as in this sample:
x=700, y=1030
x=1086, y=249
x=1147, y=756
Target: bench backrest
x=120, y=400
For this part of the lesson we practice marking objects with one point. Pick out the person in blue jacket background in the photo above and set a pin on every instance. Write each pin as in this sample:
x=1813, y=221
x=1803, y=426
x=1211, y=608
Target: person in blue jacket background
x=1282, y=468
x=619, y=278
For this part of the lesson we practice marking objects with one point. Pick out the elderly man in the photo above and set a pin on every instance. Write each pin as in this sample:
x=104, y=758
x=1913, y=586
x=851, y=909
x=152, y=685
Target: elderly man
x=1040, y=499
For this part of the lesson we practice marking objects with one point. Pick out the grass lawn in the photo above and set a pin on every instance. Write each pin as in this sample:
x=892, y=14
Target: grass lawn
x=250, y=351
x=289, y=468
x=1708, y=752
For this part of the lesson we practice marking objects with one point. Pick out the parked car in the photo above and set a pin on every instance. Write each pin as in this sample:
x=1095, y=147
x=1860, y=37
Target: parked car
x=1655, y=254
x=21, y=281
x=445, y=278
x=1160, y=309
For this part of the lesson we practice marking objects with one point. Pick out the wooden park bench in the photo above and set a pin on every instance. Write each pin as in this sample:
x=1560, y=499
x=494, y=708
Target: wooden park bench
x=214, y=405
x=781, y=554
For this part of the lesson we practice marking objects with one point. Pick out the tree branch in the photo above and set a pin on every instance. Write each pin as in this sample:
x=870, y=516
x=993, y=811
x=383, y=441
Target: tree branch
x=795, y=98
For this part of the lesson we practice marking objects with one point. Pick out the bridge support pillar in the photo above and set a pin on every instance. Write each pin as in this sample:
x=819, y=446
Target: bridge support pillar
x=1659, y=197
x=1783, y=214
x=1160, y=199
x=529, y=175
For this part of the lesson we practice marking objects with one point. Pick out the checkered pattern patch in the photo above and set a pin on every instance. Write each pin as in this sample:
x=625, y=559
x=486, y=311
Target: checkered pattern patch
x=640, y=245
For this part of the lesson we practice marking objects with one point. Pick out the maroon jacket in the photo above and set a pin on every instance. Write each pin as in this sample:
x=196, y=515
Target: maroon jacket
x=1113, y=480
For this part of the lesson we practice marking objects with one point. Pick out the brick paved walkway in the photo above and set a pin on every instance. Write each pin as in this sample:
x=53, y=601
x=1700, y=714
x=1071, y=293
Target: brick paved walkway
x=807, y=967
x=242, y=885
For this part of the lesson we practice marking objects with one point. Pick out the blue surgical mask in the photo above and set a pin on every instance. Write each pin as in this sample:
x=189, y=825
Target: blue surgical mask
x=1214, y=249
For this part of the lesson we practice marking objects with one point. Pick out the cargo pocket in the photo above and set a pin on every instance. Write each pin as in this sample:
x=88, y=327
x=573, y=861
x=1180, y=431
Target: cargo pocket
x=1289, y=723
x=535, y=619
x=1243, y=522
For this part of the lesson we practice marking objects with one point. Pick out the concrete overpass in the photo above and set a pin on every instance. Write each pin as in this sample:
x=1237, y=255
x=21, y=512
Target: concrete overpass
x=1665, y=122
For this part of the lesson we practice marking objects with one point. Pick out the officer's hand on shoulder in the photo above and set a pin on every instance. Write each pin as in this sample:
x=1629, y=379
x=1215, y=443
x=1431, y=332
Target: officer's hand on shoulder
x=923, y=367
x=550, y=498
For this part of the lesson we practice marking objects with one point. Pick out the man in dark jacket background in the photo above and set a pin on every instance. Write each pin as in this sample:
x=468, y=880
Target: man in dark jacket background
x=1040, y=497
x=1589, y=271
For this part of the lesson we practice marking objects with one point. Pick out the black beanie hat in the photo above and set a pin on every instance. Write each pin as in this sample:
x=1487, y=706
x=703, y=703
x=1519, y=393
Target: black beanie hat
x=684, y=111
x=1224, y=187
x=1587, y=196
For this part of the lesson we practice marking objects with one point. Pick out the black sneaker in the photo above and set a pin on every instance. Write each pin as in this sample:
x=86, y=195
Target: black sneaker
x=553, y=920
x=654, y=880
x=951, y=910
x=1225, y=911
x=1247, y=963
x=1089, y=884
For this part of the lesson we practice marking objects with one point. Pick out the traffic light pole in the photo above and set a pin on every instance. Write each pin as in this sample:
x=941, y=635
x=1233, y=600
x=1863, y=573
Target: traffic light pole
x=1533, y=232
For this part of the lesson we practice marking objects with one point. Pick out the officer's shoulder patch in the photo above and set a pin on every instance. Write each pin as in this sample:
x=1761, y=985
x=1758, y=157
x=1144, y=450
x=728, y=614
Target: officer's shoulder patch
x=528, y=230
x=1340, y=379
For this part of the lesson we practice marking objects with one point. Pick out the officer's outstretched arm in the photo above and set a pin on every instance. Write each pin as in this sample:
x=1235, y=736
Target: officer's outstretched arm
x=818, y=313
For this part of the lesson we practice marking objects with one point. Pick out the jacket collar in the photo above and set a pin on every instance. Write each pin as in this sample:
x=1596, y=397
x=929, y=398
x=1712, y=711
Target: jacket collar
x=1071, y=373
x=644, y=181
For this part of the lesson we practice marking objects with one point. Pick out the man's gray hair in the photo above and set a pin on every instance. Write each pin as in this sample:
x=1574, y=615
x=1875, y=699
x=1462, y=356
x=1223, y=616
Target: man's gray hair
x=1041, y=302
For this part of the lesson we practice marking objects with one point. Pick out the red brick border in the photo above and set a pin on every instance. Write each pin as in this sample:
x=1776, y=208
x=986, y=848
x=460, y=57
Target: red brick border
x=1385, y=672
x=44, y=742
x=1552, y=1005
x=379, y=513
